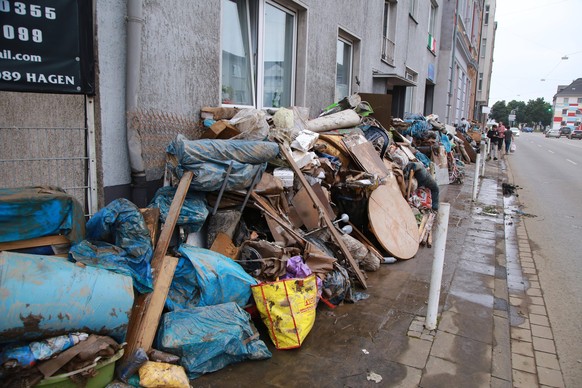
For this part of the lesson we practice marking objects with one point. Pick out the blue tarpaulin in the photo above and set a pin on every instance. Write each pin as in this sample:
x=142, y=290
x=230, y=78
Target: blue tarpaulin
x=209, y=338
x=31, y=212
x=118, y=240
x=192, y=214
x=210, y=159
x=204, y=278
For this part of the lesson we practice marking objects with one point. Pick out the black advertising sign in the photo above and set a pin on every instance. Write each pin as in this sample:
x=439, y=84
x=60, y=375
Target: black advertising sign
x=46, y=46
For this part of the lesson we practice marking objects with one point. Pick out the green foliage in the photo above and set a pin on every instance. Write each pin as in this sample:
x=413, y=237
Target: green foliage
x=532, y=113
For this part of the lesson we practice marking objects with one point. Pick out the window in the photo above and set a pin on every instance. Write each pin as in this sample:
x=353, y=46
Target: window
x=579, y=101
x=483, y=47
x=258, y=53
x=564, y=112
x=431, y=27
x=410, y=75
x=486, y=17
x=480, y=82
x=344, y=69
x=412, y=8
x=566, y=100
x=389, y=27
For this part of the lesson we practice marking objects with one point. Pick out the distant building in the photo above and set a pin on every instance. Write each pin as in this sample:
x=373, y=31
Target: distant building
x=489, y=28
x=567, y=104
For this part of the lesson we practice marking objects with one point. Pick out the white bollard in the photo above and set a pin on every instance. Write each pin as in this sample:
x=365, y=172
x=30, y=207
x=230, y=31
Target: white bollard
x=485, y=155
x=476, y=180
x=437, y=266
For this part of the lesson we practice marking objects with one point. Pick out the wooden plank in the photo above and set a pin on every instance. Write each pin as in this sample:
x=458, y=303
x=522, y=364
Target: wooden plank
x=305, y=209
x=34, y=242
x=147, y=308
x=151, y=217
x=334, y=232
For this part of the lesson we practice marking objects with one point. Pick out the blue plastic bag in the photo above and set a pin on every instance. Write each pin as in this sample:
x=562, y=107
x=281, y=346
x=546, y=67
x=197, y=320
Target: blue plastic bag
x=205, y=278
x=209, y=338
x=118, y=240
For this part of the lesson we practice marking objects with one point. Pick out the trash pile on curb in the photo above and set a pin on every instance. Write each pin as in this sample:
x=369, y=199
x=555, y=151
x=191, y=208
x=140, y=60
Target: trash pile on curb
x=261, y=219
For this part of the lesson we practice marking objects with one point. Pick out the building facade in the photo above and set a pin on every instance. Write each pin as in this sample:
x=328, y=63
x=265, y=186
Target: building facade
x=567, y=105
x=488, y=29
x=158, y=63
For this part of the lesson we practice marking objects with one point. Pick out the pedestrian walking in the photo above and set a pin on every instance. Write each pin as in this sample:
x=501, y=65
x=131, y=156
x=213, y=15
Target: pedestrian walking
x=493, y=135
x=501, y=137
x=508, y=140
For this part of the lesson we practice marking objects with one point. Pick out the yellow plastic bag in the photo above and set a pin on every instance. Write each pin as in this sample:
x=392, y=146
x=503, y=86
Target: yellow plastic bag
x=159, y=374
x=287, y=308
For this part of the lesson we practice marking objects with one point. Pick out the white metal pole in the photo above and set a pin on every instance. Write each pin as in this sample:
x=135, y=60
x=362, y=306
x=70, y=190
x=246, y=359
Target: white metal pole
x=486, y=146
x=476, y=179
x=437, y=265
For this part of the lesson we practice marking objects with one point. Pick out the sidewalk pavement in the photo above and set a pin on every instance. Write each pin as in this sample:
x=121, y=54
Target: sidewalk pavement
x=492, y=328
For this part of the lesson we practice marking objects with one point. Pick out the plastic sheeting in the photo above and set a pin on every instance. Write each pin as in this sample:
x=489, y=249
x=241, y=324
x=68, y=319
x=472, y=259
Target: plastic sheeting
x=118, y=240
x=209, y=338
x=192, y=214
x=204, y=278
x=31, y=212
x=210, y=159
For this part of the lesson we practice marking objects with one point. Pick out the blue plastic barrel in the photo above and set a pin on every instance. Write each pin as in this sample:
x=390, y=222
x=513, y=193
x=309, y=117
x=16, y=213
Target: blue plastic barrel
x=46, y=296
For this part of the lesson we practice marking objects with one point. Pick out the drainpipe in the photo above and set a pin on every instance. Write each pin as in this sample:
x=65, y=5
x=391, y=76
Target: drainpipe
x=132, y=73
x=454, y=49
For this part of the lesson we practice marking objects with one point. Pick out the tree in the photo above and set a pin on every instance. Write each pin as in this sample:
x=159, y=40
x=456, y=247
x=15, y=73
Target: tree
x=539, y=111
x=517, y=108
x=499, y=111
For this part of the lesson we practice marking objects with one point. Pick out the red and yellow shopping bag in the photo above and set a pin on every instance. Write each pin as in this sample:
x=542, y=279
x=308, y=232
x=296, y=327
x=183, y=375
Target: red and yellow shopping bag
x=287, y=308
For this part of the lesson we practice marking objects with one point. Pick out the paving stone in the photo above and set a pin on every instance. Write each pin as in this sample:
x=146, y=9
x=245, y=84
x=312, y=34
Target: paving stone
x=547, y=360
x=537, y=319
x=444, y=373
x=523, y=348
x=535, y=309
x=416, y=354
x=480, y=329
x=527, y=264
x=500, y=383
x=537, y=300
x=524, y=379
x=520, y=334
x=542, y=331
x=501, y=361
x=515, y=301
x=522, y=325
x=471, y=354
x=544, y=345
x=550, y=377
x=527, y=270
x=523, y=363
x=534, y=284
x=534, y=292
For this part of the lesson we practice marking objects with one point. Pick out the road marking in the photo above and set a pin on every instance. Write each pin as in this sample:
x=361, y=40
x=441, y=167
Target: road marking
x=551, y=152
x=571, y=161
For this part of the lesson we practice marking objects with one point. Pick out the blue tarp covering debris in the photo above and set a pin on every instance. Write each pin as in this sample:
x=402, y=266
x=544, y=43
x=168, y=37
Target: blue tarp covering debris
x=118, y=240
x=204, y=278
x=31, y=212
x=210, y=159
x=192, y=214
x=209, y=338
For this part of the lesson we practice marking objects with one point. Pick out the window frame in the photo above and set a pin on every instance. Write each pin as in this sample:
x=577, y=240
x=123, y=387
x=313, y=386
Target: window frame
x=255, y=15
x=350, y=74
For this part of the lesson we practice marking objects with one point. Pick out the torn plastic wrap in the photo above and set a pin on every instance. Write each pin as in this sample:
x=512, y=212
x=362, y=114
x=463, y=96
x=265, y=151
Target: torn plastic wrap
x=192, y=214
x=209, y=160
x=209, y=338
x=205, y=278
x=118, y=240
x=30, y=212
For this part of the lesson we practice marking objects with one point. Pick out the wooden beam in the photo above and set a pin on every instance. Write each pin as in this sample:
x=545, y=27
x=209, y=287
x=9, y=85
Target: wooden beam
x=147, y=308
x=332, y=229
x=34, y=242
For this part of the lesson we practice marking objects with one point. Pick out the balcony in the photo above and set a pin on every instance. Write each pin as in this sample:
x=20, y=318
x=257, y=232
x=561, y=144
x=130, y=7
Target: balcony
x=388, y=51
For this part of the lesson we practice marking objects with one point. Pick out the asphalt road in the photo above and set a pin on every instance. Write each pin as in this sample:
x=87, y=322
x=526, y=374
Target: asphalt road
x=549, y=172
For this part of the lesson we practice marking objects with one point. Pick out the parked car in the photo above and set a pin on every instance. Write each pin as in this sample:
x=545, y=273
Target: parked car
x=576, y=134
x=565, y=131
x=527, y=129
x=515, y=131
x=553, y=133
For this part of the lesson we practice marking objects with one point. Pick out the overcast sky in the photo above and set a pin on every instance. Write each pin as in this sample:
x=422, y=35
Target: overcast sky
x=532, y=37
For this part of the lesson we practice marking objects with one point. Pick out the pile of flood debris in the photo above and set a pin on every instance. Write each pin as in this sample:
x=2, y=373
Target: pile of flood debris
x=263, y=217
